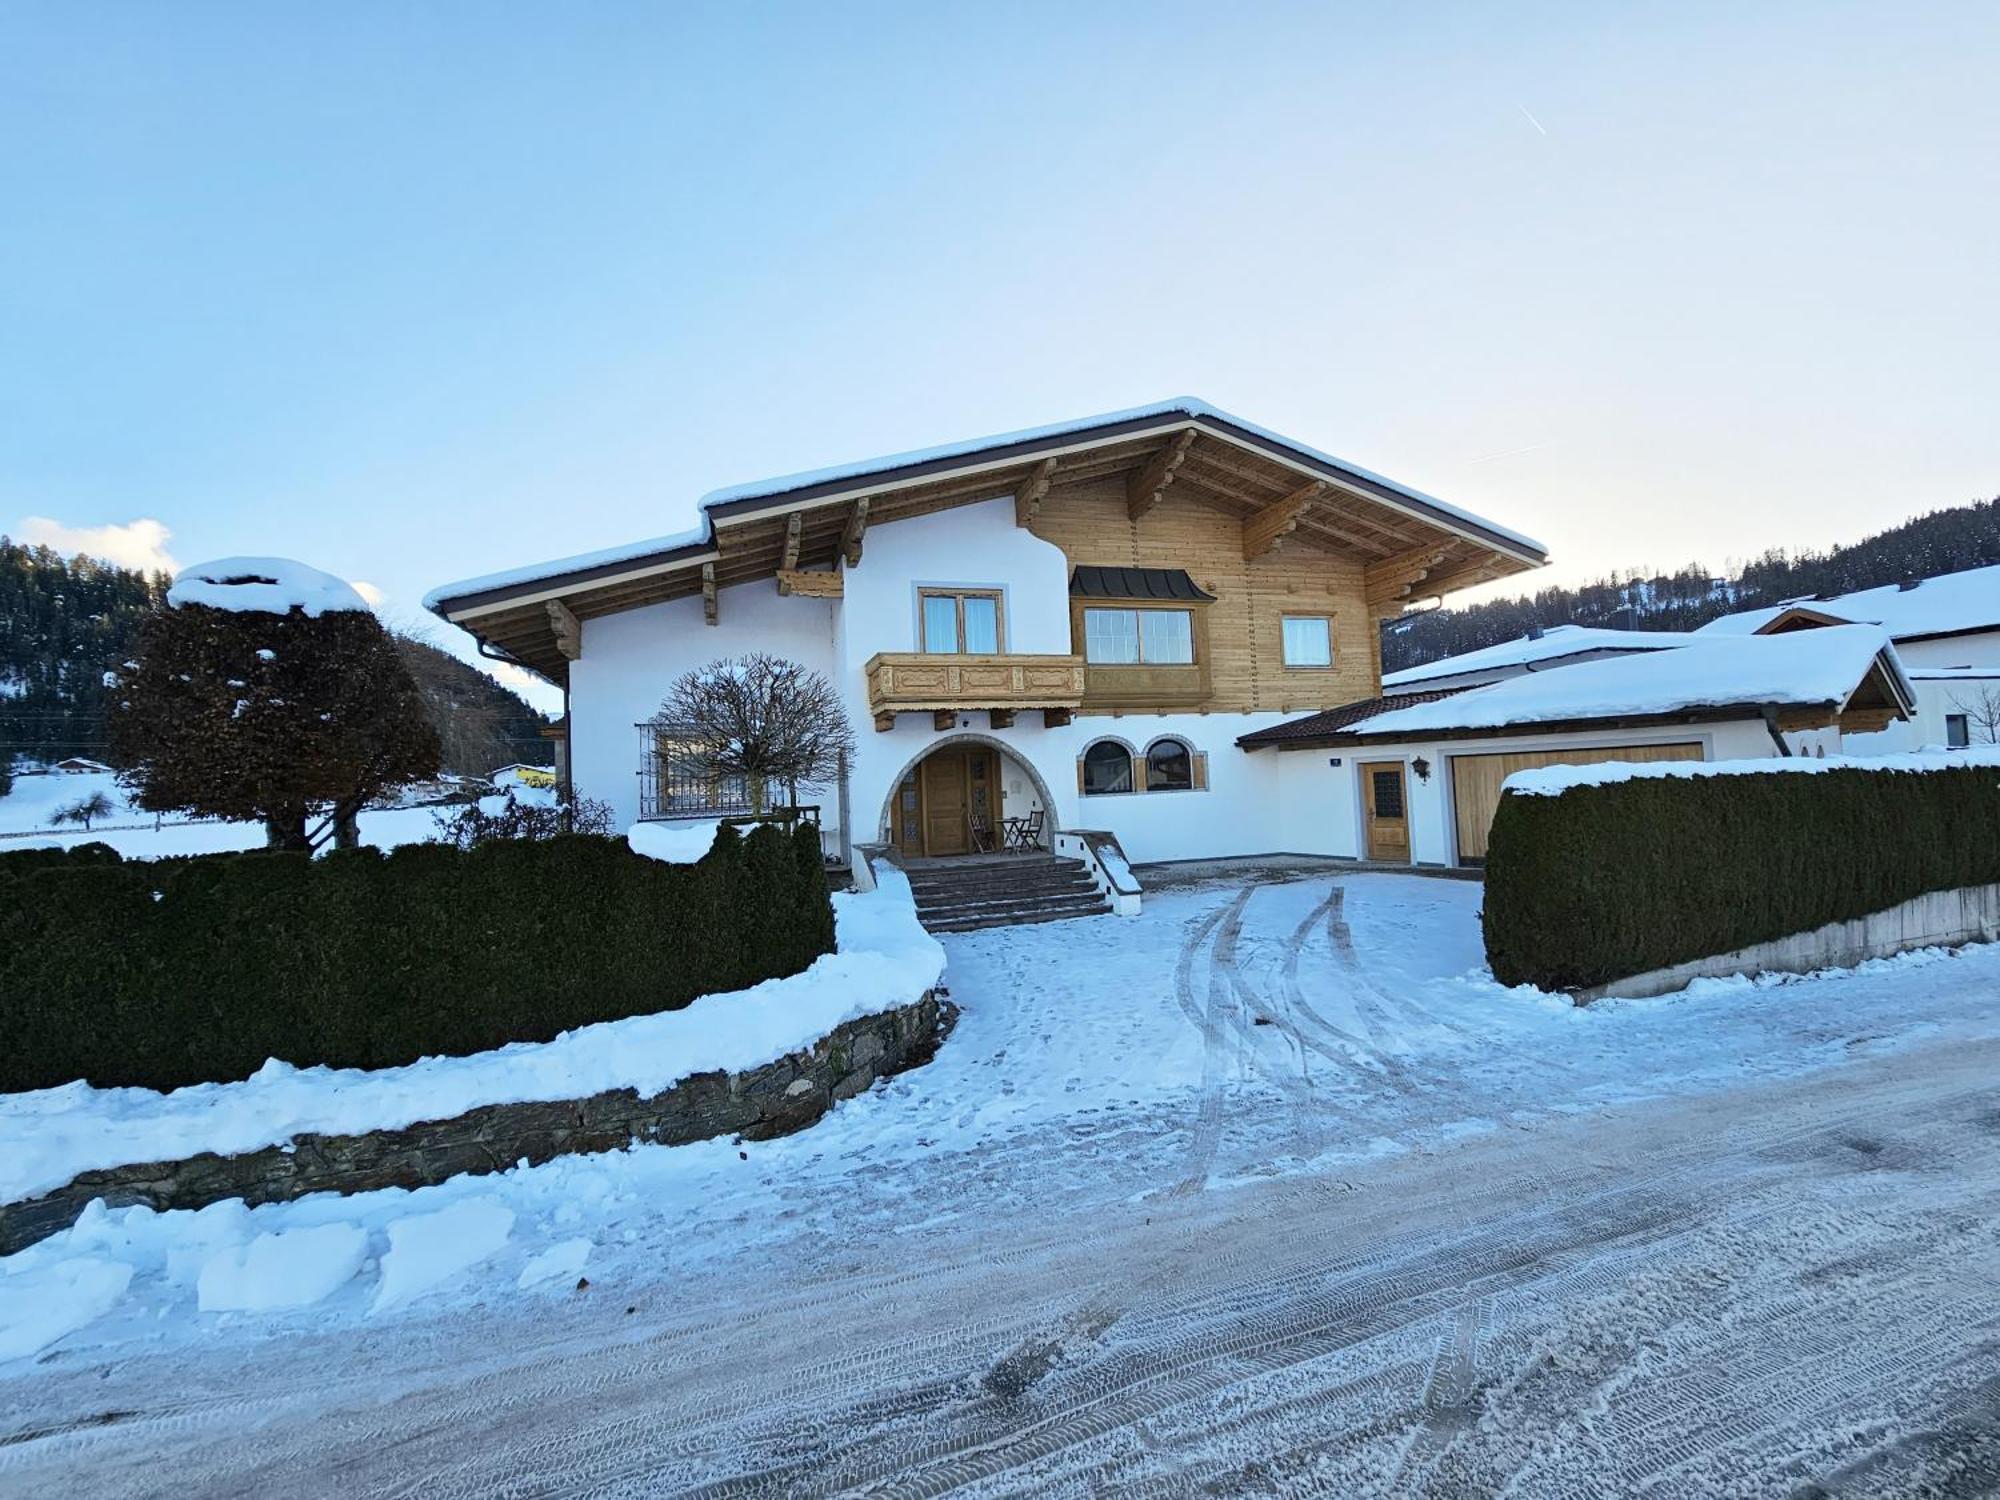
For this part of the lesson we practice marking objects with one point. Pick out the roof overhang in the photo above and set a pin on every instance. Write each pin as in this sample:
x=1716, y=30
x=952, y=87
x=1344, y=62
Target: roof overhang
x=1424, y=547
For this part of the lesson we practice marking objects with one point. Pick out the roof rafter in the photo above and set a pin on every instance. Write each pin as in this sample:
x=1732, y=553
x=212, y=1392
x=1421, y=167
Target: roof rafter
x=851, y=534
x=1144, y=489
x=1264, y=529
x=1028, y=496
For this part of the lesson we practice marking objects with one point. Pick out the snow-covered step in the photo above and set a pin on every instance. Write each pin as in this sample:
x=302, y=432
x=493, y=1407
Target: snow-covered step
x=1004, y=891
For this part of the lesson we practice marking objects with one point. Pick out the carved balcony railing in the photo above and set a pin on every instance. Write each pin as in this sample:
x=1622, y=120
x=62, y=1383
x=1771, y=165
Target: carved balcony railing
x=915, y=682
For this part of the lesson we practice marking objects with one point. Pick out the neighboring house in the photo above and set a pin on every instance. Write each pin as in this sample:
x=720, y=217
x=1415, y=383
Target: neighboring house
x=77, y=765
x=1417, y=777
x=1537, y=651
x=522, y=775
x=1947, y=632
x=1077, y=622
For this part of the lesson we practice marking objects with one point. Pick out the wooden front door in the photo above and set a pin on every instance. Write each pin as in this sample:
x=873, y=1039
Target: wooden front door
x=954, y=786
x=1385, y=812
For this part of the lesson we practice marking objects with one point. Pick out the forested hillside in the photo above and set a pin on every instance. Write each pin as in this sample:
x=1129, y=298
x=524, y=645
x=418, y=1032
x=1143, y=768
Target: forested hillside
x=1943, y=541
x=65, y=622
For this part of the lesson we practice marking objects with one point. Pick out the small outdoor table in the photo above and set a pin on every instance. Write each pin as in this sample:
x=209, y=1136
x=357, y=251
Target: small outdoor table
x=1016, y=830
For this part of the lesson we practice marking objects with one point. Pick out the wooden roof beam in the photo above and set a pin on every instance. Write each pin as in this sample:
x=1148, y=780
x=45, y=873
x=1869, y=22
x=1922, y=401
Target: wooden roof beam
x=1144, y=489
x=1028, y=496
x=709, y=609
x=851, y=534
x=1264, y=529
x=794, y=529
x=810, y=585
x=568, y=629
x=1394, y=579
x=1483, y=568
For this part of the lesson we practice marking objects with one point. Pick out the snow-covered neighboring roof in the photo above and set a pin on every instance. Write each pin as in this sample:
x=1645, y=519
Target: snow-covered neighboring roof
x=1553, y=644
x=1744, y=621
x=703, y=534
x=1943, y=605
x=263, y=585
x=1805, y=667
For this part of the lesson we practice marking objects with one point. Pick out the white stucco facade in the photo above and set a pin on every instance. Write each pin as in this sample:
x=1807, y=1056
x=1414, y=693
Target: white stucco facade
x=628, y=660
x=1263, y=802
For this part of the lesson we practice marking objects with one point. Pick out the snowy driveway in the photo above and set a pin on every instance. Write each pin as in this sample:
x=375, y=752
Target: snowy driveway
x=1264, y=1192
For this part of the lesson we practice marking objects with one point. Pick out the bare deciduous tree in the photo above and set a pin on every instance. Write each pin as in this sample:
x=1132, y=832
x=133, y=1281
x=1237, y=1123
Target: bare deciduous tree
x=1981, y=707
x=762, y=718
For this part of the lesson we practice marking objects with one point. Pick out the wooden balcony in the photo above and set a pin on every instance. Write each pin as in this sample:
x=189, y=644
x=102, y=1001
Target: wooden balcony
x=914, y=682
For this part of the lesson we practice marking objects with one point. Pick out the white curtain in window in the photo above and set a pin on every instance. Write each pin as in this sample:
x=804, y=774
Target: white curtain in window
x=1308, y=642
x=982, y=624
x=1168, y=637
x=940, y=623
x=1111, y=636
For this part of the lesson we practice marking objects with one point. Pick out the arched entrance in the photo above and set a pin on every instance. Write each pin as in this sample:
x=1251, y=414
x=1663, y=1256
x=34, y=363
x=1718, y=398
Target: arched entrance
x=956, y=796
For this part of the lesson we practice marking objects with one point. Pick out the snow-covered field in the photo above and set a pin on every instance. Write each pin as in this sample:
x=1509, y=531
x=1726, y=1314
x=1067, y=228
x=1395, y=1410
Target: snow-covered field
x=26, y=810
x=1267, y=1191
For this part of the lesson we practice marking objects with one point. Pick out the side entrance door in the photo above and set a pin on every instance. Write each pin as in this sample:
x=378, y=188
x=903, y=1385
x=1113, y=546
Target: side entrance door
x=1385, y=814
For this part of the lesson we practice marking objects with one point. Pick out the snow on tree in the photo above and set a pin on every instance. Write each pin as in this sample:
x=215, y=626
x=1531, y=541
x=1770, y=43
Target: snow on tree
x=762, y=718
x=267, y=690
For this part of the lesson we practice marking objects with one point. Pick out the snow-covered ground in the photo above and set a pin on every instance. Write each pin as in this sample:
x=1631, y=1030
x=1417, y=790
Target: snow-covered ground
x=25, y=812
x=1266, y=1191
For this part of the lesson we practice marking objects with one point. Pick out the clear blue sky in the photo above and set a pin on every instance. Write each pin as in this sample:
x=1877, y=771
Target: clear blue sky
x=416, y=292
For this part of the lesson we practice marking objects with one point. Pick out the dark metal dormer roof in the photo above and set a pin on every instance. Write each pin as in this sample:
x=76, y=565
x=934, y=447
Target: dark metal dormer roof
x=1136, y=583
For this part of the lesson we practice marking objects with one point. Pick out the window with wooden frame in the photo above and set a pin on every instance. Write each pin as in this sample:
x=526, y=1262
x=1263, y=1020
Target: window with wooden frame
x=1308, y=640
x=1128, y=637
x=1105, y=769
x=953, y=622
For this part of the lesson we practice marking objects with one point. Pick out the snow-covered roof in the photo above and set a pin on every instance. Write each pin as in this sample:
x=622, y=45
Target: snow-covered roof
x=263, y=585
x=1807, y=667
x=1947, y=604
x=702, y=535
x=1744, y=621
x=1552, y=644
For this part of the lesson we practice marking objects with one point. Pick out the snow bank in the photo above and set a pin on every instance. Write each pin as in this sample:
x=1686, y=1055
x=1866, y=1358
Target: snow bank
x=263, y=585
x=1804, y=667
x=426, y=1250
x=883, y=959
x=40, y=1304
x=561, y=1261
x=673, y=843
x=274, y=1272
x=1553, y=781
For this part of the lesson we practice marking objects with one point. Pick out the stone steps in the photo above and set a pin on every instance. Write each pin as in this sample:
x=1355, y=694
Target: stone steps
x=1004, y=892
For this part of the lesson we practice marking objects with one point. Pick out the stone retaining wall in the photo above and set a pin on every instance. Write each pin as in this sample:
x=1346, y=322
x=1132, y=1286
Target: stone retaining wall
x=1938, y=919
x=774, y=1100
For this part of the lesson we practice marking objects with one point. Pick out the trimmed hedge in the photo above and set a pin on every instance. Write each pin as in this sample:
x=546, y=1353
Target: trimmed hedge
x=1607, y=881
x=171, y=972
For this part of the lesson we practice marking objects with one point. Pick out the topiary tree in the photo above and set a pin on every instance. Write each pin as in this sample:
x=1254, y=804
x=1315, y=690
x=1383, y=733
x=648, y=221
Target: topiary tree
x=268, y=690
x=762, y=718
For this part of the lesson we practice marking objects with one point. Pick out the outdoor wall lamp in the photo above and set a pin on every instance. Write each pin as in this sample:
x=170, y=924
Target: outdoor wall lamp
x=1422, y=767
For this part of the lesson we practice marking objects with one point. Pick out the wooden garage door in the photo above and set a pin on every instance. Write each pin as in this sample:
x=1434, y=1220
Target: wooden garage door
x=1475, y=782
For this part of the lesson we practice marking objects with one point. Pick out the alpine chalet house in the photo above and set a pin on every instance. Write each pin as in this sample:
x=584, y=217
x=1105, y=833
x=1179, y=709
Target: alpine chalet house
x=1050, y=632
